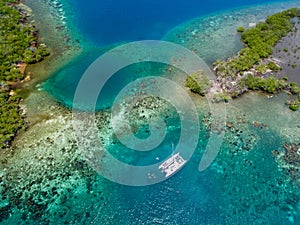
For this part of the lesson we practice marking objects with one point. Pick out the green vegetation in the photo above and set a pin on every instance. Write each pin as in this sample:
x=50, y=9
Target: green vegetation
x=294, y=104
x=272, y=66
x=221, y=97
x=263, y=67
x=270, y=85
x=198, y=83
x=241, y=29
x=243, y=71
x=18, y=41
x=18, y=45
x=295, y=90
x=259, y=42
x=10, y=119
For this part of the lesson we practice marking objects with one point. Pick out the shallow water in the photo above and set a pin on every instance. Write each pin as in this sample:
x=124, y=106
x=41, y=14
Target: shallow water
x=244, y=185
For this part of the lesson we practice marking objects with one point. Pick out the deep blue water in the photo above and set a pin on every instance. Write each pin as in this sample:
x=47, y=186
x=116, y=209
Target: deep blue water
x=106, y=22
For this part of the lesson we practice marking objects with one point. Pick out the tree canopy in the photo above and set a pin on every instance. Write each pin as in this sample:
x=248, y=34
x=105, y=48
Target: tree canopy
x=18, y=44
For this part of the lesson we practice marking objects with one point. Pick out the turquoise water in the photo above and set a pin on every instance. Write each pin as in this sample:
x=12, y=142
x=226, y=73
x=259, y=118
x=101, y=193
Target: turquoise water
x=243, y=186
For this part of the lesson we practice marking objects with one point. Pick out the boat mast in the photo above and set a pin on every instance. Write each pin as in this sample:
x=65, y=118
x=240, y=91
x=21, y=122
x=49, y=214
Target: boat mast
x=173, y=148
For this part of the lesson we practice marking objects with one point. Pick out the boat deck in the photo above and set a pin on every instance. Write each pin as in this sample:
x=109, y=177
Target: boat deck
x=172, y=165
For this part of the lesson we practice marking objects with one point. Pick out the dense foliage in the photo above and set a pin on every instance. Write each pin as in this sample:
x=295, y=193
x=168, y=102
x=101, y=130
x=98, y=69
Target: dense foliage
x=18, y=42
x=198, y=83
x=270, y=85
x=18, y=45
x=240, y=29
x=10, y=120
x=259, y=42
x=246, y=68
x=221, y=97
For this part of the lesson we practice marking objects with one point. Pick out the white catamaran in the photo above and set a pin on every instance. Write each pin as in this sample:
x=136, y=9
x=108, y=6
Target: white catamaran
x=172, y=164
